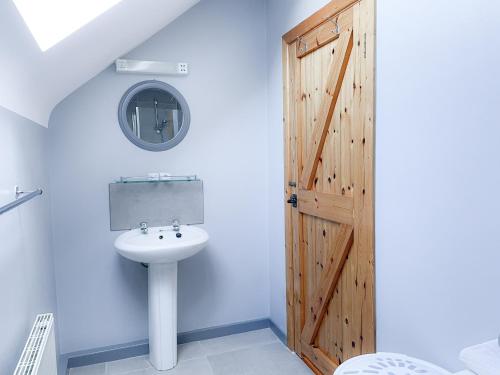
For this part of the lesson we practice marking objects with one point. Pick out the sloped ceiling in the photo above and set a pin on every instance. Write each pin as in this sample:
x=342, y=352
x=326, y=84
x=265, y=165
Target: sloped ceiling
x=33, y=82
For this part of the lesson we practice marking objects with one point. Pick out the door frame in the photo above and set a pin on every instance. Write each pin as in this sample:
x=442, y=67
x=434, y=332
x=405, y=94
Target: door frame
x=290, y=92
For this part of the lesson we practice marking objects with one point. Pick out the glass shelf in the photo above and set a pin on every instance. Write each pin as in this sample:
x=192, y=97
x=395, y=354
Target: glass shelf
x=157, y=178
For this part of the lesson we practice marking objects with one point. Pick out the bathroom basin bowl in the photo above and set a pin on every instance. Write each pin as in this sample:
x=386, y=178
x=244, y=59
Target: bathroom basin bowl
x=161, y=244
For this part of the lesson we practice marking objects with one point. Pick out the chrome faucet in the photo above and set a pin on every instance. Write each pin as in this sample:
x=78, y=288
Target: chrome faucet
x=175, y=225
x=144, y=227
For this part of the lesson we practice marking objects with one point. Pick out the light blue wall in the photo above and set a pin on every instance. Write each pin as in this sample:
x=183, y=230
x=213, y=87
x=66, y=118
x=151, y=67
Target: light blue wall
x=437, y=158
x=437, y=174
x=102, y=297
x=26, y=264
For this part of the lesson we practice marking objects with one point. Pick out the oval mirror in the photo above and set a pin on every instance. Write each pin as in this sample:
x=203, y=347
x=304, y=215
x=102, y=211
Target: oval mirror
x=154, y=115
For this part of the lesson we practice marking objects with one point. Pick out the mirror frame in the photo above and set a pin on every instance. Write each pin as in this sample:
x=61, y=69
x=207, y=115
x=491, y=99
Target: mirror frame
x=158, y=85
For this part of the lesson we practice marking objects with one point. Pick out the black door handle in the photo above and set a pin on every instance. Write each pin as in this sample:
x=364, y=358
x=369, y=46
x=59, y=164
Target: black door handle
x=293, y=200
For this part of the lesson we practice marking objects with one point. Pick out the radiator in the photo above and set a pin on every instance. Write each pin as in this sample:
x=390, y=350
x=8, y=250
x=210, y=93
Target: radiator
x=39, y=354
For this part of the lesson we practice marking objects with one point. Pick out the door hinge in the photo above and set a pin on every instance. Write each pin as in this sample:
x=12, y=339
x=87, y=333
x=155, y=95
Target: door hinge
x=292, y=200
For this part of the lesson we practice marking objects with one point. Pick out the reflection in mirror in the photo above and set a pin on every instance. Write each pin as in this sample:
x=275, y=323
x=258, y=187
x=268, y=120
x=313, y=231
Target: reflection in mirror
x=154, y=115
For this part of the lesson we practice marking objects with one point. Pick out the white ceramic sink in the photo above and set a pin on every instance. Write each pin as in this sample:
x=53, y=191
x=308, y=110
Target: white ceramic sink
x=162, y=248
x=161, y=244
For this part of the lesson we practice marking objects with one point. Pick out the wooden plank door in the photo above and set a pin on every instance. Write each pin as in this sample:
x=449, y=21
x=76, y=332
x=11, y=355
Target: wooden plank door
x=329, y=129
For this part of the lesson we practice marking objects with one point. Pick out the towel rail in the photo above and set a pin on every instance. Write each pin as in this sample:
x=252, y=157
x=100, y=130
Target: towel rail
x=21, y=197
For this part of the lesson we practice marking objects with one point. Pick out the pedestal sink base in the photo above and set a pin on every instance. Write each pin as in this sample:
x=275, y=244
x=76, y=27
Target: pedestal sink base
x=162, y=301
x=162, y=248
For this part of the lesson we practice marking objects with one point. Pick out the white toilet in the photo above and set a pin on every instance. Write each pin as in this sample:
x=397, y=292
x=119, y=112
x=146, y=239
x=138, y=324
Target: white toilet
x=483, y=359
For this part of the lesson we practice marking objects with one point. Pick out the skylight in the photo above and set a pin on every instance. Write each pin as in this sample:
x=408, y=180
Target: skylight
x=51, y=21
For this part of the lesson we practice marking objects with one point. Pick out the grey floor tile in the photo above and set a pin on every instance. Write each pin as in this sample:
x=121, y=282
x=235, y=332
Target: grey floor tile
x=239, y=341
x=125, y=366
x=199, y=366
x=99, y=369
x=189, y=351
x=251, y=353
x=270, y=359
x=146, y=371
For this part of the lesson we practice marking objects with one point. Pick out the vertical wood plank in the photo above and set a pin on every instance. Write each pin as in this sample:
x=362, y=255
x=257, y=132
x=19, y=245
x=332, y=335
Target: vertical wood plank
x=336, y=312
x=352, y=312
x=298, y=260
x=289, y=149
x=325, y=333
x=363, y=333
x=329, y=149
x=366, y=251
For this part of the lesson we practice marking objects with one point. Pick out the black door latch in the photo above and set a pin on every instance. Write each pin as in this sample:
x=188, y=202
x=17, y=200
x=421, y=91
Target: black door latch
x=293, y=200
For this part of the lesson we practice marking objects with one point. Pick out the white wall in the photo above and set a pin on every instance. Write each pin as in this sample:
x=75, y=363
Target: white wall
x=103, y=297
x=26, y=263
x=436, y=178
x=437, y=173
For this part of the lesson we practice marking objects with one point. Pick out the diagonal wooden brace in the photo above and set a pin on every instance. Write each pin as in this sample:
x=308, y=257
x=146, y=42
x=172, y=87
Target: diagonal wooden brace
x=329, y=280
x=334, y=84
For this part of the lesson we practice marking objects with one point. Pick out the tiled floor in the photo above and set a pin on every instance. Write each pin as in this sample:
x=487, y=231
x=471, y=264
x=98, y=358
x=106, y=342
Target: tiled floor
x=251, y=353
